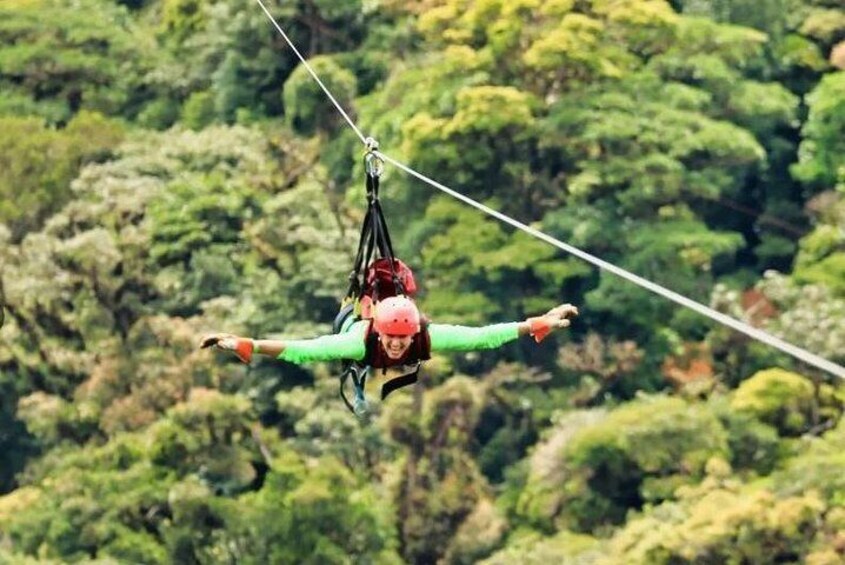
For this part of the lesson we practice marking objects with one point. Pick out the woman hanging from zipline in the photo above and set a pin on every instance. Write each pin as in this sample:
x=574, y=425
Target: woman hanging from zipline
x=397, y=336
x=379, y=326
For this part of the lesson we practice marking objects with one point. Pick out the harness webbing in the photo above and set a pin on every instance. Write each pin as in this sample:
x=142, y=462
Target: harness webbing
x=374, y=241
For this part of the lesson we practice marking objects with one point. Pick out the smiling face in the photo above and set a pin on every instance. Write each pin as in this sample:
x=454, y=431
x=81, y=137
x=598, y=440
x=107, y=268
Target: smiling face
x=395, y=345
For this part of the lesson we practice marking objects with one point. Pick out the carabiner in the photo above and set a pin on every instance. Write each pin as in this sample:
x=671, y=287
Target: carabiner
x=373, y=164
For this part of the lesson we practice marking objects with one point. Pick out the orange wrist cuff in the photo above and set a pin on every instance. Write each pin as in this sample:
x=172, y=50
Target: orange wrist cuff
x=244, y=349
x=539, y=328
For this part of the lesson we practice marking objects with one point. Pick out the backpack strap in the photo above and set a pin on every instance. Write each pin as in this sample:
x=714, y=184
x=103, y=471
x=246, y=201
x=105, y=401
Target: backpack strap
x=423, y=344
x=371, y=345
x=346, y=311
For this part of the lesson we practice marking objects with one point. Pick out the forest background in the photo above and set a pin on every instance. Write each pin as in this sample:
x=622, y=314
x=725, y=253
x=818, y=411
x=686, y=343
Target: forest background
x=167, y=169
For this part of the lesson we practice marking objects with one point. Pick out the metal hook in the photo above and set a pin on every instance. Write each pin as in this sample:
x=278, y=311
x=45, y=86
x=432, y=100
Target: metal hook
x=373, y=164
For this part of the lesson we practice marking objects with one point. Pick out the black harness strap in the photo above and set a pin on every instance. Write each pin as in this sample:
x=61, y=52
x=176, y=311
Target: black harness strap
x=399, y=382
x=374, y=240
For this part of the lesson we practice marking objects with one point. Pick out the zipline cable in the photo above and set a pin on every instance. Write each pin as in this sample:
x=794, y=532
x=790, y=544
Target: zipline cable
x=755, y=333
x=313, y=74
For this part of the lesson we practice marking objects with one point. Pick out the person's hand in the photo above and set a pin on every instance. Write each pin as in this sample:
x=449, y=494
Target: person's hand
x=558, y=317
x=242, y=347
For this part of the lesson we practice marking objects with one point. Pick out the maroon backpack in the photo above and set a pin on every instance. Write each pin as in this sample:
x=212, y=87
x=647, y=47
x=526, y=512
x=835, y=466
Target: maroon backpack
x=383, y=282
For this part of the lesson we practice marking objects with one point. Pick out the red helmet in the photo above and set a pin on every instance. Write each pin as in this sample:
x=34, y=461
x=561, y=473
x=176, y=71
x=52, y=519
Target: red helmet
x=397, y=315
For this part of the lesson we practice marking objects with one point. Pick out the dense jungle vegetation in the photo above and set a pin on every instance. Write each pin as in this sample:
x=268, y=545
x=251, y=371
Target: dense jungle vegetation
x=168, y=169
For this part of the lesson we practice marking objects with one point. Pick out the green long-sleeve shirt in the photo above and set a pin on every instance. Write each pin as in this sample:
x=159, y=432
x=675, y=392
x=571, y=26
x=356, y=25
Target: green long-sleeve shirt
x=351, y=344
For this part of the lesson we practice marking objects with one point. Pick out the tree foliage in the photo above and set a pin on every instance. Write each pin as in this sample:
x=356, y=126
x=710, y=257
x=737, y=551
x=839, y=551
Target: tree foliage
x=60, y=57
x=39, y=162
x=169, y=168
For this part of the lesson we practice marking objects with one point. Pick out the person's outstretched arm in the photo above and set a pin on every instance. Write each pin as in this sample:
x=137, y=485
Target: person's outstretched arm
x=445, y=337
x=349, y=345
